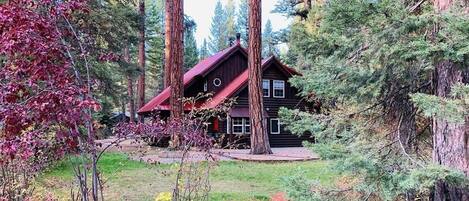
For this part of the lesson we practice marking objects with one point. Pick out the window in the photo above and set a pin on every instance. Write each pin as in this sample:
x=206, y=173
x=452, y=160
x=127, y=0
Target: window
x=241, y=126
x=274, y=126
x=247, y=126
x=266, y=88
x=217, y=82
x=238, y=125
x=279, y=89
x=205, y=86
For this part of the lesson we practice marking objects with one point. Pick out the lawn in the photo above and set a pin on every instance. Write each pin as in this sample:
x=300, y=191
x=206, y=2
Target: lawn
x=133, y=180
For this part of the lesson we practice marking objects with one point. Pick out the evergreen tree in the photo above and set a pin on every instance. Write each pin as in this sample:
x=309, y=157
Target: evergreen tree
x=141, y=56
x=268, y=41
x=191, y=53
x=230, y=15
x=218, y=31
x=242, y=25
x=363, y=60
x=204, y=53
x=155, y=50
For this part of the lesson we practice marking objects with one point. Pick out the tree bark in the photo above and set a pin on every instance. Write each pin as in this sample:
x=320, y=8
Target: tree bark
x=176, y=60
x=259, y=137
x=130, y=87
x=450, y=140
x=168, y=37
x=141, y=58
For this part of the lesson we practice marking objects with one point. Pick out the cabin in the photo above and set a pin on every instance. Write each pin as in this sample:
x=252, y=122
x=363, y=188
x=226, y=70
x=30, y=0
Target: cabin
x=225, y=75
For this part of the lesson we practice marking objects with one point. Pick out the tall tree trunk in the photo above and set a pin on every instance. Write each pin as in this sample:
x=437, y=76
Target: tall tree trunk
x=259, y=137
x=407, y=128
x=176, y=58
x=130, y=87
x=168, y=47
x=450, y=140
x=141, y=58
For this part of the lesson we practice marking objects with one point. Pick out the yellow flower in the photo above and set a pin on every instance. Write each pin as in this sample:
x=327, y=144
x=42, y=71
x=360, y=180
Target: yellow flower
x=163, y=196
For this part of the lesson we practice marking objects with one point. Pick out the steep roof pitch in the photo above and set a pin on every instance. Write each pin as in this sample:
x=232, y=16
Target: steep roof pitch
x=201, y=69
x=241, y=81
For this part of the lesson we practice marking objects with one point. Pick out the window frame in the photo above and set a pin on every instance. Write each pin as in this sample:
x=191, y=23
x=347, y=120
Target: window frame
x=205, y=86
x=268, y=89
x=282, y=89
x=217, y=80
x=278, y=126
x=245, y=122
x=233, y=125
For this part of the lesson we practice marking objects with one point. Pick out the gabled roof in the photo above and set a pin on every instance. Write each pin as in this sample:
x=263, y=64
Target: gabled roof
x=201, y=69
x=241, y=81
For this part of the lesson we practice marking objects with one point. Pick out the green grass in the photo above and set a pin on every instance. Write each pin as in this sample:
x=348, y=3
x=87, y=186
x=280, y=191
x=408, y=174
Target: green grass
x=132, y=180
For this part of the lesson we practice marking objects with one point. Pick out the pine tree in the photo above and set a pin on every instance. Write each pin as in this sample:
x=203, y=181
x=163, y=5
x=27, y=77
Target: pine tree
x=242, y=25
x=130, y=86
x=204, y=53
x=169, y=46
x=191, y=53
x=450, y=147
x=363, y=60
x=175, y=60
x=141, y=57
x=218, y=31
x=259, y=137
x=230, y=15
x=155, y=51
x=268, y=41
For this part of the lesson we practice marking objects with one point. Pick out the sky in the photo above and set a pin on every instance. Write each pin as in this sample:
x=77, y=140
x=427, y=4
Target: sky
x=202, y=12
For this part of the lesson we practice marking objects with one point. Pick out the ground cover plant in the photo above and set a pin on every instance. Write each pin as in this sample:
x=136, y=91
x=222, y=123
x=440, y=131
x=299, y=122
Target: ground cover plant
x=132, y=180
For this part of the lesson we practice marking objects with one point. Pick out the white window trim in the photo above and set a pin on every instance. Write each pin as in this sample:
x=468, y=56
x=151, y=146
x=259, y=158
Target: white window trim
x=283, y=89
x=216, y=80
x=228, y=125
x=244, y=120
x=205, y=86
x=278, y=125
x=268, y=89
x=233, y=125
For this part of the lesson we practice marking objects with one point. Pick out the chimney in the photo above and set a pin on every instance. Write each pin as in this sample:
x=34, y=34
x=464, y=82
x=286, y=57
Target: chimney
x=238, y=38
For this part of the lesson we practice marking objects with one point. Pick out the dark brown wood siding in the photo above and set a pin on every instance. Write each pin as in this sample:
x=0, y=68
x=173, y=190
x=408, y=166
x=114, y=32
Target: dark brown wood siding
x=272, y=106
x=227, y=71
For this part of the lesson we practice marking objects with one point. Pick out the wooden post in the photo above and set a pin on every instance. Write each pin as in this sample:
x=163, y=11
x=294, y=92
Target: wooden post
x=259, y=137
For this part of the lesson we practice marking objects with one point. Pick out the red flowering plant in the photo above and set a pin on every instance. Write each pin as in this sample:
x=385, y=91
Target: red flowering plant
x=43, y=105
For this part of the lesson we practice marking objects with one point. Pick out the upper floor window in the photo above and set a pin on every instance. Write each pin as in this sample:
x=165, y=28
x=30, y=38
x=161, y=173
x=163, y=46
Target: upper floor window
x=217, y=82
x=279, y=89
x=266, y=88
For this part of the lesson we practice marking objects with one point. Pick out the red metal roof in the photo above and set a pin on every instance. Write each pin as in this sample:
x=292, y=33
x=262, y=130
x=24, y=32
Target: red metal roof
x=202, y=68
x=241, y=81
